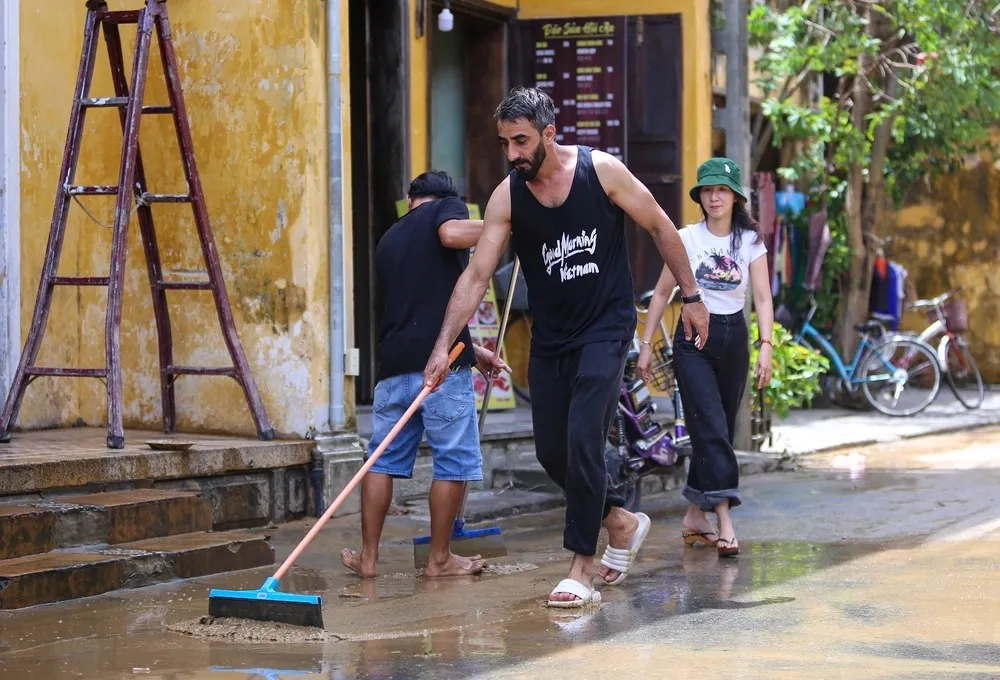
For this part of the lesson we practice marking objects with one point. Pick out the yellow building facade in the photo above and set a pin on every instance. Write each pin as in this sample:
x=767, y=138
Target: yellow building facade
x=281, y=164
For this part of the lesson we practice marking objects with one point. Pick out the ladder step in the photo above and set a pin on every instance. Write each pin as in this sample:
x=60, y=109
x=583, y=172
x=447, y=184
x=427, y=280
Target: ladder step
x=126, y=17
x=105, y=190
x=201, y=370
x=69, y=372
x=166, y=198
x=80, y=281
x=185, y=285
x=103, y=102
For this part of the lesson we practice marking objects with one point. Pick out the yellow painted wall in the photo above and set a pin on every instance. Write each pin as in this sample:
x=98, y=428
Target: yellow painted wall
x=946, y=236
x=254, y=83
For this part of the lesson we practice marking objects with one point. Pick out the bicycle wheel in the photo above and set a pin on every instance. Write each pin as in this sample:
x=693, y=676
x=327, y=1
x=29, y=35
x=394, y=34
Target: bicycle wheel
x=963, y=374
x=896, y=368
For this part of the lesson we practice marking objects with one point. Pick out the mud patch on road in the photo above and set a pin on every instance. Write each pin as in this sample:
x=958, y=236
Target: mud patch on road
x=513, y=568
x=246, y=631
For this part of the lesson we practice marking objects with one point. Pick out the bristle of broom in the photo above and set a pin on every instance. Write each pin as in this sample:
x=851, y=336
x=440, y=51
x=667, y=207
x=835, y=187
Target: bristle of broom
x=294, y=613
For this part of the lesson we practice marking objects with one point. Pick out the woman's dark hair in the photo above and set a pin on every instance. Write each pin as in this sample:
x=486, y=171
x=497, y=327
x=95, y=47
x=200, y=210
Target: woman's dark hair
x=432, y=184
x=742, y=222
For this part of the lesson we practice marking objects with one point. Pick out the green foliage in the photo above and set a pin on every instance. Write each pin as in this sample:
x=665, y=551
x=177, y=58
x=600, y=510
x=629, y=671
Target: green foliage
x=796, y=371
x=930, y=68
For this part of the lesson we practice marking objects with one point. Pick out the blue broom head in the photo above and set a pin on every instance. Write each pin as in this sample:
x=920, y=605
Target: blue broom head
x=269, y=592
x=460, y=532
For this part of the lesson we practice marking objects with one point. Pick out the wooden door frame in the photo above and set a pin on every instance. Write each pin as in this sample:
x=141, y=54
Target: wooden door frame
x=10, y=195
x=482, y=13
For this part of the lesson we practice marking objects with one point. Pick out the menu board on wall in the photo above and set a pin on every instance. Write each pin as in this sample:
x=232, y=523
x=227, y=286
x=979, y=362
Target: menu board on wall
x=580, y=63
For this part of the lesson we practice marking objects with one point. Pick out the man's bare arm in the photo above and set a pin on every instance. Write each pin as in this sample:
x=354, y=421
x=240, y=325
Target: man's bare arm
x=471, y=286
x=632, y=196
x=460, y=234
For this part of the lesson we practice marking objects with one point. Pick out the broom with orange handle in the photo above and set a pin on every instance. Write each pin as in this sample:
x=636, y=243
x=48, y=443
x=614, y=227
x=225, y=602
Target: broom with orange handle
x=270, y=604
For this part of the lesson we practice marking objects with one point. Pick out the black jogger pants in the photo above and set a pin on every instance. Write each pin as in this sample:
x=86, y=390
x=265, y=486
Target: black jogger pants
x=573, y=401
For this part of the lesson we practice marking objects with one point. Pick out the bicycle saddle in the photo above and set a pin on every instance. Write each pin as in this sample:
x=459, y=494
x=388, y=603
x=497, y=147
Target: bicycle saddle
x=869, y=327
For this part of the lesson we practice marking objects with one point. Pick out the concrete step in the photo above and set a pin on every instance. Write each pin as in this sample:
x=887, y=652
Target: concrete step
x=524, y=475
x=100, y=518
x=66, y=575
x=494, y=504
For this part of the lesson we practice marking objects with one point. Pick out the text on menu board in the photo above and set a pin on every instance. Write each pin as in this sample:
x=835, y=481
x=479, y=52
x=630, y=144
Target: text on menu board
x=581, y=65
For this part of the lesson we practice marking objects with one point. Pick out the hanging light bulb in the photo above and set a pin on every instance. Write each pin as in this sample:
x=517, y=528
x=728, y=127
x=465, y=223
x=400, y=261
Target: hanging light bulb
x=446, y=20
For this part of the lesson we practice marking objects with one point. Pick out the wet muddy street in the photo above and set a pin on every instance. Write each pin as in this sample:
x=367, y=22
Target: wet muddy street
x=868, y=563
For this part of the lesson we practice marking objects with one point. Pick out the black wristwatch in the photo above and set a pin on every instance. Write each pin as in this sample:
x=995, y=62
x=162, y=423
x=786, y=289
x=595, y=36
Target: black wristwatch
x=691, y=299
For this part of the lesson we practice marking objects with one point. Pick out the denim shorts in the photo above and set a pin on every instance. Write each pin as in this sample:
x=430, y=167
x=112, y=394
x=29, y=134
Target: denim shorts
x=447, y=415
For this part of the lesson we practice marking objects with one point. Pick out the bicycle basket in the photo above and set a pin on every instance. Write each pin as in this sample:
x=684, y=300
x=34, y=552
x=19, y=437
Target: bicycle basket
x=662, y=365
x=956, y=315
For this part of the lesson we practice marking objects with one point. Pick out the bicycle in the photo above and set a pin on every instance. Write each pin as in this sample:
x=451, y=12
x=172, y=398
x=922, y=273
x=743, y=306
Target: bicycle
x=949, y=320
x=875, y=364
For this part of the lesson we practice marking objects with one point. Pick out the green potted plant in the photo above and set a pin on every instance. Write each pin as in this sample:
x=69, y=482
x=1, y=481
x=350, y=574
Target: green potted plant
x=796, y=372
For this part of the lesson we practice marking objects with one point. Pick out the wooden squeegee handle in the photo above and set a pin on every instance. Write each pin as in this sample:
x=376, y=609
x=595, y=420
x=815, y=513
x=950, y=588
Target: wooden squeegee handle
x=300, y=548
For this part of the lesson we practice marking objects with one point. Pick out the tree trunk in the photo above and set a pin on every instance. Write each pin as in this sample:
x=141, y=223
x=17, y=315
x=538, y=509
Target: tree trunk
x=854, y=301
x=865, y=203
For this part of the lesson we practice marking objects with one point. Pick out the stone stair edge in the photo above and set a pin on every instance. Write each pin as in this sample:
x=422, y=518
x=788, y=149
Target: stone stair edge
x=41, y=526
x=96, y=570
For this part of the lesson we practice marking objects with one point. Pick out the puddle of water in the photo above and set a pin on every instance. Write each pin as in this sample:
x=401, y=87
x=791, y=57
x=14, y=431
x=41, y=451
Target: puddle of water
x=403, y=627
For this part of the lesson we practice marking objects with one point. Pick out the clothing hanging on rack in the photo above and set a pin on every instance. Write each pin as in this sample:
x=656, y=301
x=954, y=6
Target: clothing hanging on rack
x=766, y=204
x=888, y=290
x=898, y=294
x=819, y=242
x=790, y=201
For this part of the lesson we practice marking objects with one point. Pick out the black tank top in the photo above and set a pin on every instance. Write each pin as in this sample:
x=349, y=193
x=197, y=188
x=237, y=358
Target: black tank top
x=575, y=263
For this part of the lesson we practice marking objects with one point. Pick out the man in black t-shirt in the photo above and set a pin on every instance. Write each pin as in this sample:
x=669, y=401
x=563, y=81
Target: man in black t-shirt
x=417, y=263
x=564, y=208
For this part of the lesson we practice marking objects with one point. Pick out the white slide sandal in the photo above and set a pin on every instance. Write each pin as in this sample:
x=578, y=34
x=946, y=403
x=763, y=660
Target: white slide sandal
x=621, y=559
x=568, y=585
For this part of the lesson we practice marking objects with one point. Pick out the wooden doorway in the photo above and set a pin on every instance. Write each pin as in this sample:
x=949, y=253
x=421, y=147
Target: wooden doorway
x=377, y=36
x=466, y=82
x=653, y=149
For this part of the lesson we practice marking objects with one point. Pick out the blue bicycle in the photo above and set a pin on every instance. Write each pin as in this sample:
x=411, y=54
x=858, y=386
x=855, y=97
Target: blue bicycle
x=887, y=367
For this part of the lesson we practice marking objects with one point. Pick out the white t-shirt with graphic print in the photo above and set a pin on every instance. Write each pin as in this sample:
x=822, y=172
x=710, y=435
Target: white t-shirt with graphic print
x=722, y=274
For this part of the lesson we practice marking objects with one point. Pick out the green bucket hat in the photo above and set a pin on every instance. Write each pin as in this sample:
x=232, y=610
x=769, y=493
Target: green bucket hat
x=716, y=172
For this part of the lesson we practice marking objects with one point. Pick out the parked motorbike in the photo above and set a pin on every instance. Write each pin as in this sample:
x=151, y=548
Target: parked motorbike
x=638, y=445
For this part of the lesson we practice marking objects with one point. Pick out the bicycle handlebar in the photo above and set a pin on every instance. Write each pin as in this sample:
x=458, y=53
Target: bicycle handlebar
x=935, y=302
x=642, y=302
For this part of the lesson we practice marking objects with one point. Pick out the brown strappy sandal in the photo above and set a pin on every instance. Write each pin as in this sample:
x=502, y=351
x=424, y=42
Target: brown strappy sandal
x=693, y=538
x=728, y=547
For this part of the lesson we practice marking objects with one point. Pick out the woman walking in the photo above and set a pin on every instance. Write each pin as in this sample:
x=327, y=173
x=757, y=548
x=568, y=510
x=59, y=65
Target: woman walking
x=725, y=251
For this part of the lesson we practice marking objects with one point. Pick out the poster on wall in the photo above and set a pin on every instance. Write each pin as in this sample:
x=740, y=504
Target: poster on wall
x=581, y=64
x=485, y=329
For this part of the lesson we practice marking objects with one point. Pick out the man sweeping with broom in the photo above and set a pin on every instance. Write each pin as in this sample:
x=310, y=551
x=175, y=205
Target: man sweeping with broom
x=417, y=262
x=565, y=208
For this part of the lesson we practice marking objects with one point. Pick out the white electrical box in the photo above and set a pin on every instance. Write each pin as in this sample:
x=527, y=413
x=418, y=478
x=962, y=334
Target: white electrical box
x=352, y=361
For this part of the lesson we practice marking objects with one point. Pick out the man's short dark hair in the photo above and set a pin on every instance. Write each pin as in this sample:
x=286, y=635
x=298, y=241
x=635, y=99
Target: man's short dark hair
x=433, y=184
x=528, y=103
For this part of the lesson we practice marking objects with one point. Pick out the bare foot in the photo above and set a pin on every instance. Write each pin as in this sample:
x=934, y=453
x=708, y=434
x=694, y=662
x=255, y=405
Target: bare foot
x=621, y=529
x=455, y=566
x=358, y=563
